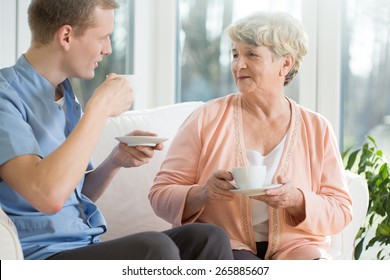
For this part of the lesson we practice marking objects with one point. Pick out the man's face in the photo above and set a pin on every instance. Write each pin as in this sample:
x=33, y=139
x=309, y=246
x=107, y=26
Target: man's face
x=88, y=49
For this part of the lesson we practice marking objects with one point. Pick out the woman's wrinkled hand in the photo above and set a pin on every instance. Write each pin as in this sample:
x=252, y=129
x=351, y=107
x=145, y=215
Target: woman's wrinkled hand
x=287, y=196
x=218, y=187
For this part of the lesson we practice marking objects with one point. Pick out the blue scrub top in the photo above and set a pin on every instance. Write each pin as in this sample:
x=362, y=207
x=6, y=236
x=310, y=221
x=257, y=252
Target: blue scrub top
x=31, y=122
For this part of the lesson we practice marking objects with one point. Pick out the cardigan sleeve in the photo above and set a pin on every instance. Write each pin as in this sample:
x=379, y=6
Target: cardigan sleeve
x=178, y=172
x=328, y=205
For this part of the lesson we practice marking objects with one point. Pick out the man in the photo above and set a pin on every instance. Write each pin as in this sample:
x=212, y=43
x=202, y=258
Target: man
x=47, y=183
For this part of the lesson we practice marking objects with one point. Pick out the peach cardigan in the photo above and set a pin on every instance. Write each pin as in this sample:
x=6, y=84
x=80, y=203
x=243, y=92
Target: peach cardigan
x=212, y=138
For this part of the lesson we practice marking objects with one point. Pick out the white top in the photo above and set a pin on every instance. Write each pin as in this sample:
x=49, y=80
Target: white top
x=61, y=101
x=259, y=208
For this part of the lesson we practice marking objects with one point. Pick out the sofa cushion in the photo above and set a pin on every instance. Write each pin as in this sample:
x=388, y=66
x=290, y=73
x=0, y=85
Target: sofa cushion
x=10, y=248
x=125, y=204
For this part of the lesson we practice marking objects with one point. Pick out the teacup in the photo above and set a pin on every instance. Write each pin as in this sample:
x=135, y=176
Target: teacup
x=250, y=176
x=132, y=80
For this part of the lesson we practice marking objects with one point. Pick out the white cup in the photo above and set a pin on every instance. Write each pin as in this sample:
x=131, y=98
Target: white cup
x=250, y=176
x=132, y=80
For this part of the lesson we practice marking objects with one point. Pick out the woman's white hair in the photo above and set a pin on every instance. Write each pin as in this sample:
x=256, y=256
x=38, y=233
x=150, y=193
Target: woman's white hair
x=280, y=32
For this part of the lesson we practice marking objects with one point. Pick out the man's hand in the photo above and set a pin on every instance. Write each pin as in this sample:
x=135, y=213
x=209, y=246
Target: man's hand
x=113, y=97
x=134, y=156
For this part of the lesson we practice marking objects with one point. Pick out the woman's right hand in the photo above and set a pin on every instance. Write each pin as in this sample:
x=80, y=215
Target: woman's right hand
x=218, y=187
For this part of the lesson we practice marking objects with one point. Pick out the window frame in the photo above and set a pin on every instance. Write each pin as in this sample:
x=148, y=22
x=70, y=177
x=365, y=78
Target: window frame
x=155, y=45
x=319, y=75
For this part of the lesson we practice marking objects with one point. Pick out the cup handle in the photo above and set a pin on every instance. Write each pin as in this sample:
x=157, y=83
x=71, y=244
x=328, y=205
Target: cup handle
x=232, y=182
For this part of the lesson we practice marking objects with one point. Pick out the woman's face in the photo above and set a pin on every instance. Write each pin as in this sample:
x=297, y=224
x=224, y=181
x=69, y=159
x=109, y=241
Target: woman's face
x=255, y=69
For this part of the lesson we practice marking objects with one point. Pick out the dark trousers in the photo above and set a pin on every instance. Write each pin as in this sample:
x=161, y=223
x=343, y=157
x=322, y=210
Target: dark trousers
x=188, y=242
x=248, y=255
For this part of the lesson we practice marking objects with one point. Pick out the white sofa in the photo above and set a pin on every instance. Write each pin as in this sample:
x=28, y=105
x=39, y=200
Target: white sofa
x=125, y=204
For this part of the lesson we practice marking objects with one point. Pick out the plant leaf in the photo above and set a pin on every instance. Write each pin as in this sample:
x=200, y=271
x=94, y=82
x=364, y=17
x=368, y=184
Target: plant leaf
x=370, y=163
x=372, y=140
x=358, y=249
x=345, y=153
x=351, y=160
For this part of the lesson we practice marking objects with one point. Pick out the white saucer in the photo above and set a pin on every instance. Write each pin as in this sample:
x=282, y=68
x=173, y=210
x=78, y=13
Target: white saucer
x=255, y=191
x=141, y=140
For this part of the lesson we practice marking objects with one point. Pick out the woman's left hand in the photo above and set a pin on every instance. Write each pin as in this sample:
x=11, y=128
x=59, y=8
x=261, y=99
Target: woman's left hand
x=287, y=196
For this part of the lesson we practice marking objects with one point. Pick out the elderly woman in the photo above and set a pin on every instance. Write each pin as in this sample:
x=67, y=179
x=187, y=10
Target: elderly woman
x=297, y=145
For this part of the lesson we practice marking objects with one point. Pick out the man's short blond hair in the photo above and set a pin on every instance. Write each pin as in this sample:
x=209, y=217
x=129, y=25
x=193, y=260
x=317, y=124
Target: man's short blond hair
x=45, y=17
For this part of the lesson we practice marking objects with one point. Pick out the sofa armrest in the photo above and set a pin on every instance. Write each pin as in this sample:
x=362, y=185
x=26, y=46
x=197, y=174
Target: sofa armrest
x=10, y=248
x=343, y=243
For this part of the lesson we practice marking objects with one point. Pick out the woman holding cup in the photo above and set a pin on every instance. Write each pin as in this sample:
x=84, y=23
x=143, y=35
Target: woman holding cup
x=297, y=146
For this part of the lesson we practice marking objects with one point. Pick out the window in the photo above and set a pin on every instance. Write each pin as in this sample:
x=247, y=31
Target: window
x=204, y=51
x=121, y=59
x=343, y=76
x=365, y=85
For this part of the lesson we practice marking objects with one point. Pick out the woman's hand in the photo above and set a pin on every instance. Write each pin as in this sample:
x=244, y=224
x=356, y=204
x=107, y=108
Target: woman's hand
x=287, y=196
x=218, y=187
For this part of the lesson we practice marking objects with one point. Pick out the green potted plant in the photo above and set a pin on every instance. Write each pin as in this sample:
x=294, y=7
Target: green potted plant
x=369, y=162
